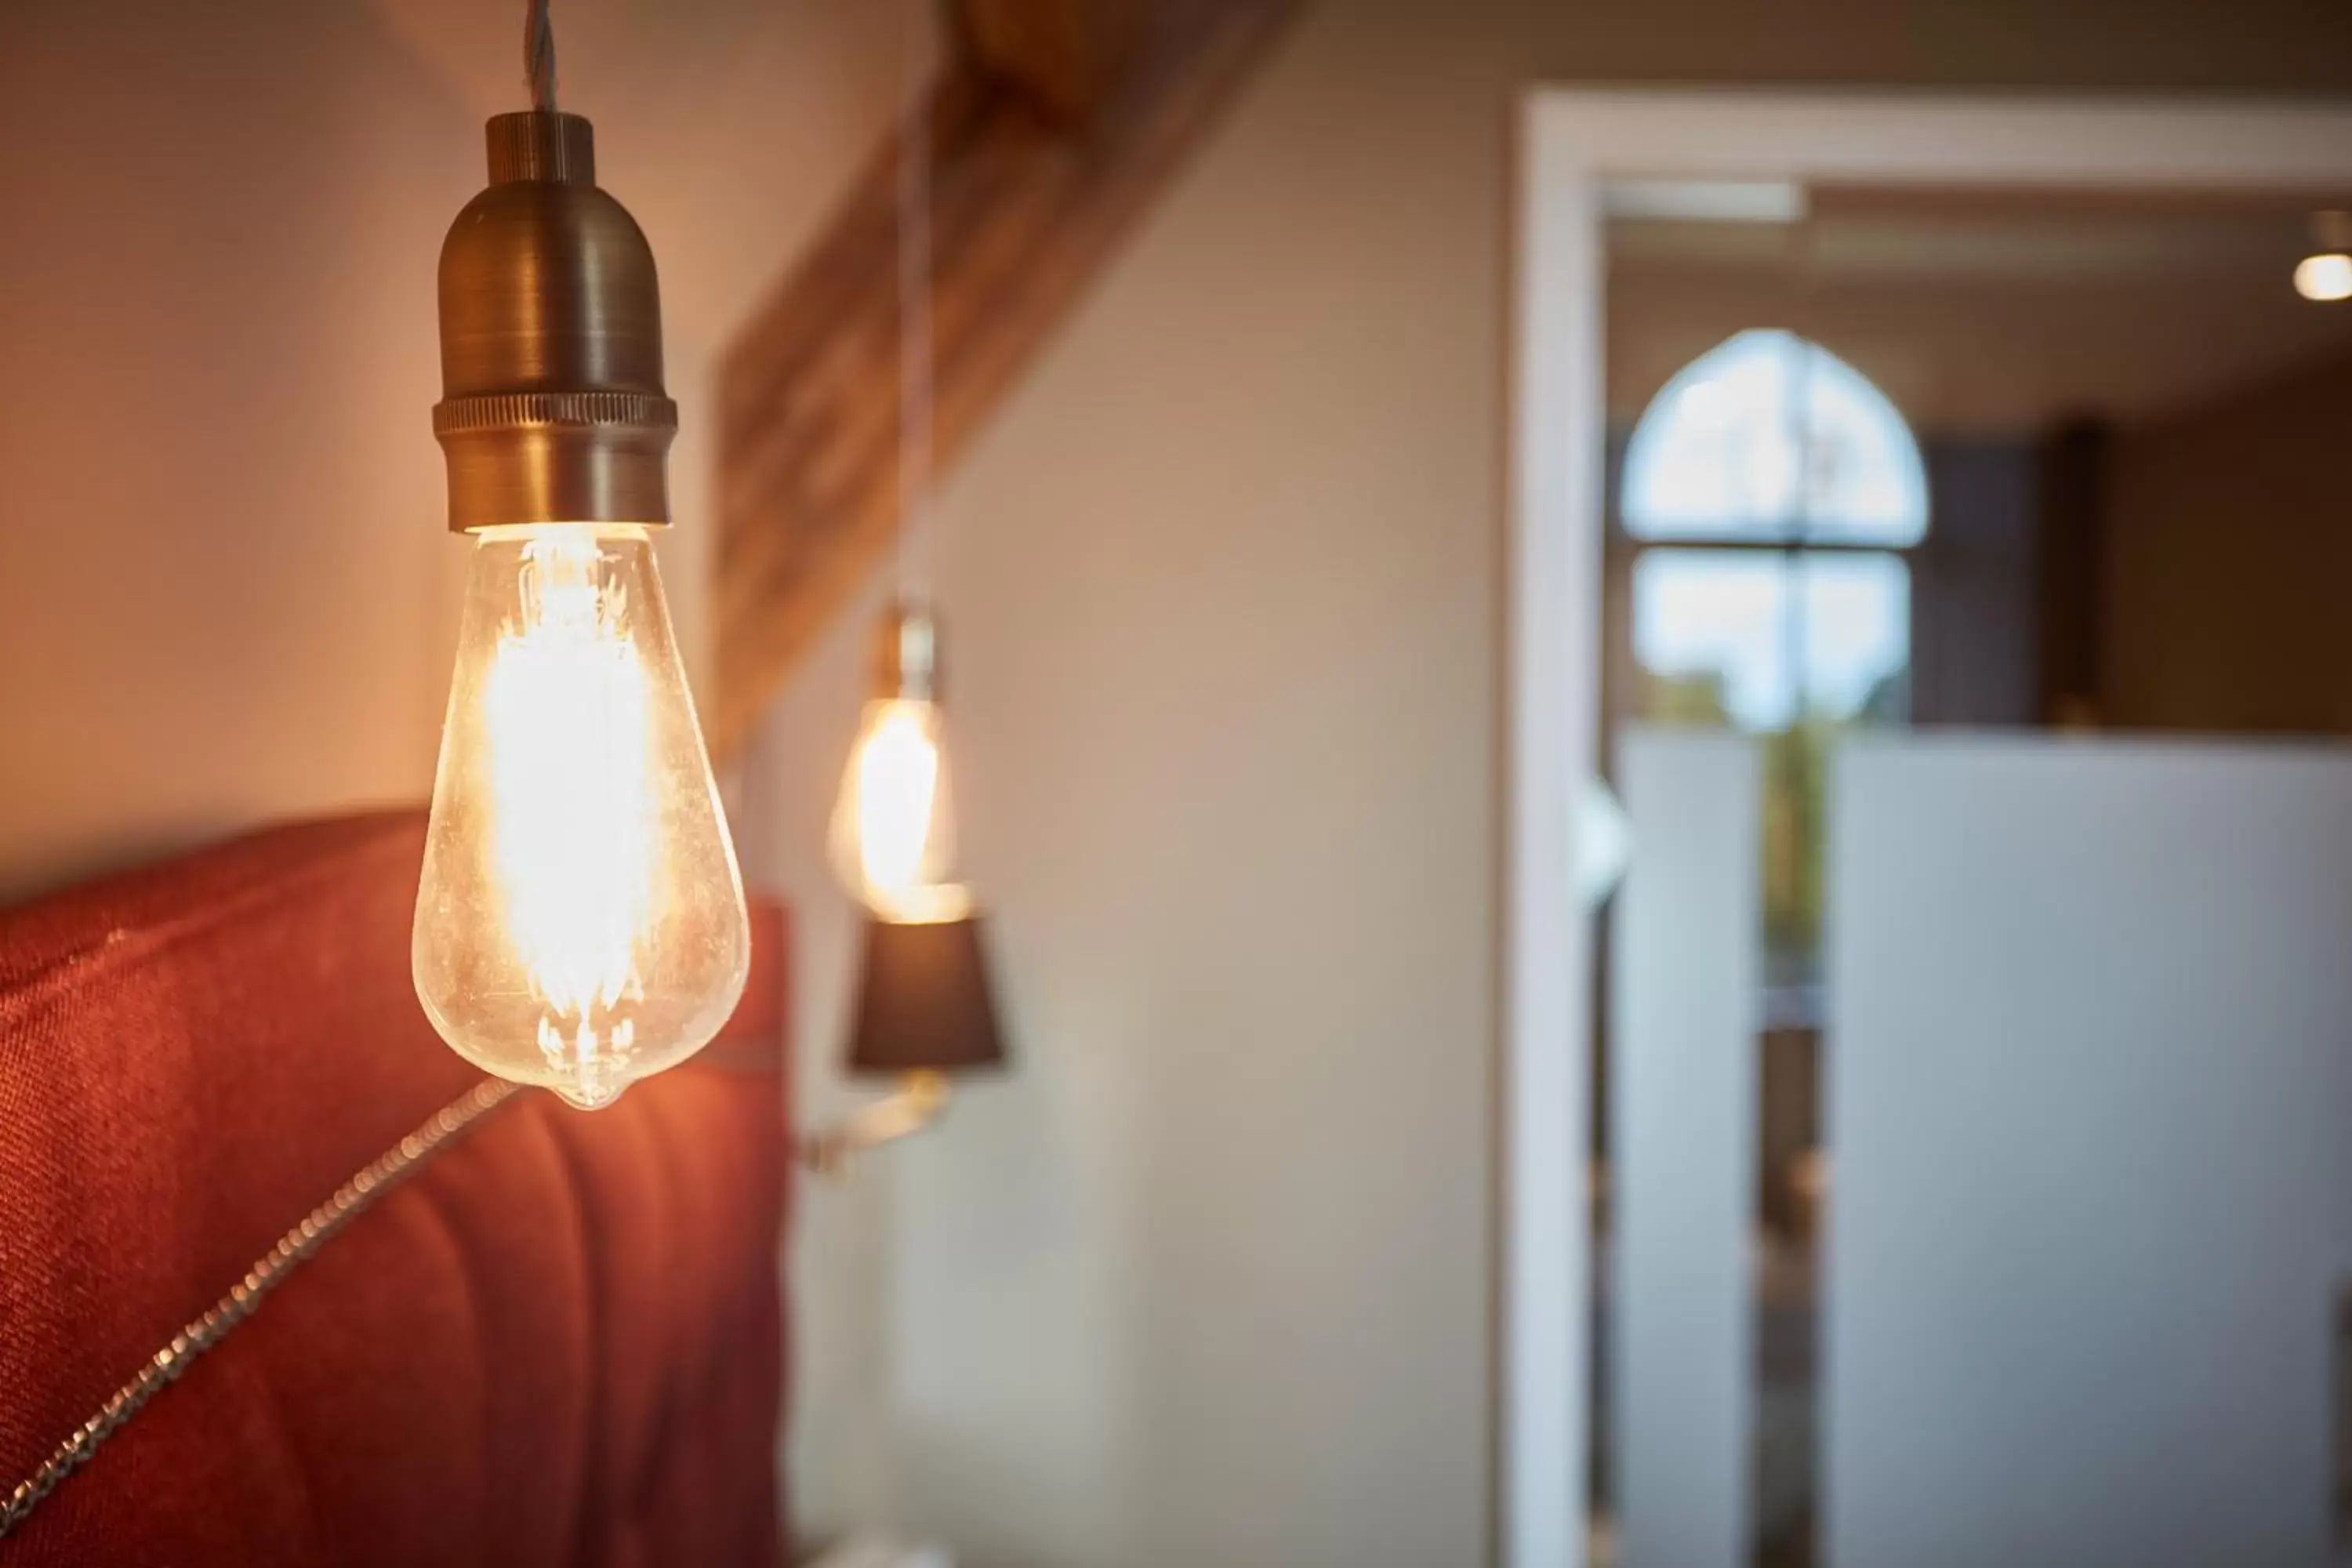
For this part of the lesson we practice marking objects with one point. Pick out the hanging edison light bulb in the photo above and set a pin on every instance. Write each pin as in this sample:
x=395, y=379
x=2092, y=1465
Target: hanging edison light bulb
x=894, y=823
x=925, y=1009
x=580, y=918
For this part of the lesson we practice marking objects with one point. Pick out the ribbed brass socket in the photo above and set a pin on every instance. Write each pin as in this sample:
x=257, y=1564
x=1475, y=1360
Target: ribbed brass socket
x=552, y=407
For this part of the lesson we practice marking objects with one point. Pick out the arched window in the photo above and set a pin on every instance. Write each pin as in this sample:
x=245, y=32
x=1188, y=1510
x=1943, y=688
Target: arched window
x=1768, y=492
x=1769, y=438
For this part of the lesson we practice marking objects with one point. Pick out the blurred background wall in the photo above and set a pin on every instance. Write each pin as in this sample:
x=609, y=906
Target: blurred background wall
x=2232, y=627
x=1207, y=1279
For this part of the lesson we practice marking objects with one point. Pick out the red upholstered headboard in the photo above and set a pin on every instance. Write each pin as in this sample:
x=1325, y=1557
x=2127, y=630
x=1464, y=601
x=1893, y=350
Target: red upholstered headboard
x=559, y=1343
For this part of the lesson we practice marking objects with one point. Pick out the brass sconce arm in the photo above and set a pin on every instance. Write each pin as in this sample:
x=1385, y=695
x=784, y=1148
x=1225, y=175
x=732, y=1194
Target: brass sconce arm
x=920, y=1099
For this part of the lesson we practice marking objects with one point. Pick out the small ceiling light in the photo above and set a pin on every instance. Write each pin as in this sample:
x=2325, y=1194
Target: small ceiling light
x=2326, y=277
x=579, y=921
x=2327, y=274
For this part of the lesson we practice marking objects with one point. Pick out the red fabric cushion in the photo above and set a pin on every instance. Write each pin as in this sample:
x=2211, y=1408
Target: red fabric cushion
x=560, y=1343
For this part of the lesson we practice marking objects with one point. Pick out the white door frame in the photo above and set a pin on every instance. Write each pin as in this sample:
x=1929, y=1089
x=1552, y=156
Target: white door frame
x=1573, y=142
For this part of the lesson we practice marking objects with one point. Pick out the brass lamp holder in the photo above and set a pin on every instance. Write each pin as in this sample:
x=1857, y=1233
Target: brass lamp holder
x=918, y=1101
x=552, y=407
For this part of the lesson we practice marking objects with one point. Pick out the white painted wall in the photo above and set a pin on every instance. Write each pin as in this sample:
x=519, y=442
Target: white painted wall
x=2091, y=1121
x=1205, y=1281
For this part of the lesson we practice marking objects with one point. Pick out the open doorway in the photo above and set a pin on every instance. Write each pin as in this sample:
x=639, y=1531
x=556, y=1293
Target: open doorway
x=1846, y=463
x=1926, y=468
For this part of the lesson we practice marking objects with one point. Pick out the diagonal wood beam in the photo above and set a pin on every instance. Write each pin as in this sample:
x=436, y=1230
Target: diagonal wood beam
x=1042, y=164
x=1066, y=55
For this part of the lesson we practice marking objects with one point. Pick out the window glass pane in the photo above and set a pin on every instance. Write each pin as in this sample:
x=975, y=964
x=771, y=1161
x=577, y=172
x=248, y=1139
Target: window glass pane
x=1714, y=455
x=1769, y=436
x=1716, y=631
x=1857, y=637
x=1711, y=630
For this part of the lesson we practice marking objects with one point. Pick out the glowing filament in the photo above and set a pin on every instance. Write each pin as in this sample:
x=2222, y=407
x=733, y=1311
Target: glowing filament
x=574, y=830
x=895, y=801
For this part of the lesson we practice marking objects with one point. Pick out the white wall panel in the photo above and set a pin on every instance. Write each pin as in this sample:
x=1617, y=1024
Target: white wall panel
x=2091, y=1121
x=1683, y=1129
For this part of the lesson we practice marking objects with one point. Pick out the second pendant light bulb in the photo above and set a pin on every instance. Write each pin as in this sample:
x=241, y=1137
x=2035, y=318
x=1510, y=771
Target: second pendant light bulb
x=893, y=835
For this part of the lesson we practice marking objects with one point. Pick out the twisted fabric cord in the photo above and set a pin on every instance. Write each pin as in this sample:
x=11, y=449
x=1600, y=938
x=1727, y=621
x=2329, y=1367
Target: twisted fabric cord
x=351, y=1200
x=538, y=54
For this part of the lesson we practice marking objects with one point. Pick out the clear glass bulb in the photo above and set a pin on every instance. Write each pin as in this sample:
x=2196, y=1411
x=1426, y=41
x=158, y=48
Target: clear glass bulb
x=893, y=827
x=580, y=923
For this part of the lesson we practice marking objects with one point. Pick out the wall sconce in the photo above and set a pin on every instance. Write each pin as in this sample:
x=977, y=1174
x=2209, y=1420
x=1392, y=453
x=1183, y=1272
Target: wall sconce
x=925, y=1012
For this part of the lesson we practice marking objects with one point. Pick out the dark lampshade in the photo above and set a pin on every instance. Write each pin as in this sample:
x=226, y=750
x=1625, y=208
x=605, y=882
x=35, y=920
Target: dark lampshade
x=923, y=1001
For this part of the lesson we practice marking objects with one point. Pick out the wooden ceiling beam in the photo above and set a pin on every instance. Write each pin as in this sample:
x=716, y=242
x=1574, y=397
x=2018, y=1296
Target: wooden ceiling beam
x=1030, y=200
x=1068, y=56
